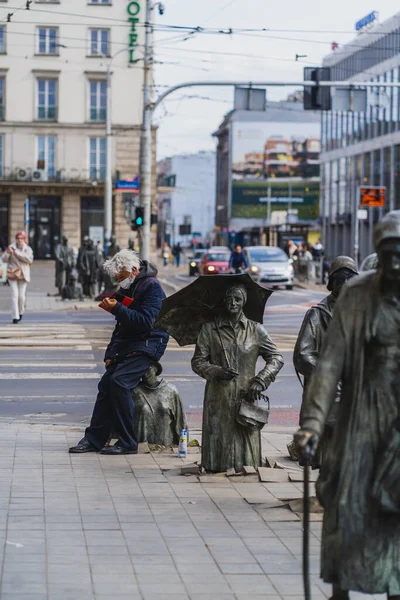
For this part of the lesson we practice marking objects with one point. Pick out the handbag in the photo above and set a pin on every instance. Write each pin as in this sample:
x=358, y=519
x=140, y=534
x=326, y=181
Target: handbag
x=15, y=274
x=386, y=485
x=252, y=415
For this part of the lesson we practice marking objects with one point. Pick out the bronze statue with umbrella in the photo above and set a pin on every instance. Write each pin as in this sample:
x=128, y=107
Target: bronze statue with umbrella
x=223, y=315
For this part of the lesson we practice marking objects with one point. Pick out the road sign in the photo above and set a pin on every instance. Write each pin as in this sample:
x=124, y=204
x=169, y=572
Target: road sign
x=372, y=196
x=362, y=214
x=127, y=184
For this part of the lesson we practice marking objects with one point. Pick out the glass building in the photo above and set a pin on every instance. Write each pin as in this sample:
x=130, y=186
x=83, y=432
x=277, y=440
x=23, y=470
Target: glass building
x=361, y=148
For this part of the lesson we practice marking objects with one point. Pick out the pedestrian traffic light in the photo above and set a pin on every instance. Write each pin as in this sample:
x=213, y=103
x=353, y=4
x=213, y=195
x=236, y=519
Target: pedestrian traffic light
x=138, y=221
x=317, y=97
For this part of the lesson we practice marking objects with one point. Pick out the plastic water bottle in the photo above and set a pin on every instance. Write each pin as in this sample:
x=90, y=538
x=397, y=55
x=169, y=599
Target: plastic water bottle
x=182, y=449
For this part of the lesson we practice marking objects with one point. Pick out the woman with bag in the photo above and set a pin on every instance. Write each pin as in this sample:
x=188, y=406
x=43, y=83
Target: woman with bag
x=19, y=257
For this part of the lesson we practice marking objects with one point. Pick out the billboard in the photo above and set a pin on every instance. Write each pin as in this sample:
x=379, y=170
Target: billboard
x=275, y=166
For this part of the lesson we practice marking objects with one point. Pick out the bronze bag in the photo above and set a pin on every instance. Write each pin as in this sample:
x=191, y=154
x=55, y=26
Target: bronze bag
x=253, y=415
x=15, y=274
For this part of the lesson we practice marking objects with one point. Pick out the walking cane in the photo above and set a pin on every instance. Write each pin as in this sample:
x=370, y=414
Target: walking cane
x=308, y=453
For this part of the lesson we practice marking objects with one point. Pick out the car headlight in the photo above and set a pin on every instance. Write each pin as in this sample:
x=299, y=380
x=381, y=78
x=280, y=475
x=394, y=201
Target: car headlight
x=290, y=269
x=211, y=268
x=254, y=269
x=192, y=264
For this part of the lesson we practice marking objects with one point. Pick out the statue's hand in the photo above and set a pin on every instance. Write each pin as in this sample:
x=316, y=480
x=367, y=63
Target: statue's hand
x=306, y=443
x=225, y=374
x=255, y=390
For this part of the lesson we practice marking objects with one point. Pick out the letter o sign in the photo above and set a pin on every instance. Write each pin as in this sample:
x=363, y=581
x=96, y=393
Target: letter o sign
x=132, y=6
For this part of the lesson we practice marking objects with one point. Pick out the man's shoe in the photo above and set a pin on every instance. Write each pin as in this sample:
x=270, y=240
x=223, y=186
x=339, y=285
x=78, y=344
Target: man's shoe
x=83, y=446
x=15, y=321
x=117, y=450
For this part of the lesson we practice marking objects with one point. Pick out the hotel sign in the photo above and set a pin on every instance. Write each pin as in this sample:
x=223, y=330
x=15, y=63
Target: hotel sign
x=367, y=21
x=133, y=10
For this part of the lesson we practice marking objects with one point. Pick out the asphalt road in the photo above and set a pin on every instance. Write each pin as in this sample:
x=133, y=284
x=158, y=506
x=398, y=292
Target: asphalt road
x=50, y=364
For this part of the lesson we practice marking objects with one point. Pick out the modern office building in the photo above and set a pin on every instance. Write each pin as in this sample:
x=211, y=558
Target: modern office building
x=186, y=198
x=268, y=183
x=361, y=148
x=53, y=106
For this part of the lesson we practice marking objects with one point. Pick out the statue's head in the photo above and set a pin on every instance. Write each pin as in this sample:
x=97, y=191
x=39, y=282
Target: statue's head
x=369, y=263
x=90, y=244
x=150, y=378
x=65, y=240
x=387, y=245
x=235, y=299
x=113, y=240
x=342, y=269
x=85, y=241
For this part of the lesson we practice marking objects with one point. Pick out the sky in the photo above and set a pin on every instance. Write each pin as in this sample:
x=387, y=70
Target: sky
x=187, y=118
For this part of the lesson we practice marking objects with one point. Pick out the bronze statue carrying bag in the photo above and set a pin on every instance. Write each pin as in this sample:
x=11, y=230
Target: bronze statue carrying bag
x=249, y=414
x=386, y=486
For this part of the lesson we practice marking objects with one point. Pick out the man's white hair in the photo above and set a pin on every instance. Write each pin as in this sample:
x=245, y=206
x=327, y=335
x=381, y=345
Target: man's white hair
x=127, y=259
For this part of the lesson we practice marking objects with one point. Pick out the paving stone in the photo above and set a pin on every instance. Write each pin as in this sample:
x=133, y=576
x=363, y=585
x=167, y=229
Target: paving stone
x=278, y=514
x=268, y=475
x=248, y=470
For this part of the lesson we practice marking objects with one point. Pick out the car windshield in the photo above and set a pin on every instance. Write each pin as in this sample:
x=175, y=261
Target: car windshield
x=199, y=253
x=218, y=257
x=258, y=255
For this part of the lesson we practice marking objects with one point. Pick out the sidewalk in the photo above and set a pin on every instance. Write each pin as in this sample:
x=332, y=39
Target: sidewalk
x=95, y=527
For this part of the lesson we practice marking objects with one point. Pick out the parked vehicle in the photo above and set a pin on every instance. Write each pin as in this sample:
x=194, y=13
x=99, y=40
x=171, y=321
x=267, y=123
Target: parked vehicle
x=270, y=264
x=195, y=260
x=216, y=260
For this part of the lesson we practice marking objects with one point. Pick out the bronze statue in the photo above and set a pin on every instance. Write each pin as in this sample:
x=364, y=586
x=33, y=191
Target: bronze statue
x=312, y=333
x=159, y=416
x=369, y=263
x=226, y=354
x=64, y=255
x=360, y=494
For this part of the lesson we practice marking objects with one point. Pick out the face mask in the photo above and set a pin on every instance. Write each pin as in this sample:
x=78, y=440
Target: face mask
x=126, y=283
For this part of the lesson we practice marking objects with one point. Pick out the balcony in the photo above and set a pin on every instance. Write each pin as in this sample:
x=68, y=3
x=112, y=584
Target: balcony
x=58, y=176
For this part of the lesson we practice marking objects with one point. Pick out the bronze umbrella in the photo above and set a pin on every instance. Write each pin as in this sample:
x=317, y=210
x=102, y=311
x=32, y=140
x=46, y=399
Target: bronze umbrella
x=183, y=314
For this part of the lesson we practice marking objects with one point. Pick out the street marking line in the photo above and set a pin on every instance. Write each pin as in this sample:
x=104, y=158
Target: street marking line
x=47, y=364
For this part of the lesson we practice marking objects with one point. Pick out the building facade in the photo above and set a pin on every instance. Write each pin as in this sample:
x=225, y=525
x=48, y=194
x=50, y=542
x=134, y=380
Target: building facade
x=268, y=176
x=53, y=106
x=361, y=148
x=186, y=199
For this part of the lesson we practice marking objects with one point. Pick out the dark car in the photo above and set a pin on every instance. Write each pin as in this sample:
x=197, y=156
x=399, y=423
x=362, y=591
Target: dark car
x=215, y=261
x=195, y=260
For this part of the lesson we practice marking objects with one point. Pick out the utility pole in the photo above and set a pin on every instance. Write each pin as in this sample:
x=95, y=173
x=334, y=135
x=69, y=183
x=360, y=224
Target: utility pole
x=146, y=137
x=108, y=190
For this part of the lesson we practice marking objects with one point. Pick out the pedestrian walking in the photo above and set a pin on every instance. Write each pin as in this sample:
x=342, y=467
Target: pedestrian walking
x=176, y=252
x=19, y=257
x=165, y=254
x=238, y=262
x=134, y=347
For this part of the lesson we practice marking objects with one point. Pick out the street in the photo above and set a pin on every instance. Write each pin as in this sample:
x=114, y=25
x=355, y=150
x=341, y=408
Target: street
x=52, y=361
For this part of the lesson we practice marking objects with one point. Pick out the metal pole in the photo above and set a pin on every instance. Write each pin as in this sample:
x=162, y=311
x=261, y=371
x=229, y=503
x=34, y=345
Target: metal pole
x=146, y=139
x=108, y=224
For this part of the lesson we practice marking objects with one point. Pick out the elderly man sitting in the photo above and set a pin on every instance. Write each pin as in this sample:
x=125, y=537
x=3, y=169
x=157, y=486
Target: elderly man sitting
x=135, y=345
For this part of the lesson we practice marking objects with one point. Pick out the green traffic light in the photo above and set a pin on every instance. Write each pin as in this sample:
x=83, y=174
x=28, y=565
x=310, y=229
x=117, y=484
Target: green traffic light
x=139, y=221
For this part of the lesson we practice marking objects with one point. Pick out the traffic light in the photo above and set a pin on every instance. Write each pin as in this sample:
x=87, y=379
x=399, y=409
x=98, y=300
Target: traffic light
x=139, y=218
x=317, y=97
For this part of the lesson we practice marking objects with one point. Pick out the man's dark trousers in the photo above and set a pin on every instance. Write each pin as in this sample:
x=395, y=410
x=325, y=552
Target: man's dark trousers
x=114, y=405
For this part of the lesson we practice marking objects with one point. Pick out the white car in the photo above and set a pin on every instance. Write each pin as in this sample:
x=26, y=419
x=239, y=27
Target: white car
x=270, y=264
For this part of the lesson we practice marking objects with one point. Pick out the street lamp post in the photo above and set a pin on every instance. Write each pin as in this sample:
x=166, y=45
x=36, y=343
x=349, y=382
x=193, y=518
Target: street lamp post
x=108, y=220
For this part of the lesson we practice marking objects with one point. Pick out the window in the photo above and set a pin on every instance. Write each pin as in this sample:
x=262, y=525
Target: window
x=47, y=99
x=2, y=40
x=2, y=98
x=98, y=100
x=99, y=1
x=1, y=155
x=47, y=40
x=99, y=42
x=46, y=154
x=97, y=158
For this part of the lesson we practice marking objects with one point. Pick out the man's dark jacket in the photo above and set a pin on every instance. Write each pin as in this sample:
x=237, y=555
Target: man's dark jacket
x=238, y=260
x=134, y=329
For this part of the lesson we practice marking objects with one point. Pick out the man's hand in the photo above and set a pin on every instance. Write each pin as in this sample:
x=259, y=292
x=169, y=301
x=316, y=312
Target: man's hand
x=226, y=374
x=107, y=363
x=9, y=250
x=255, y=390
x=306, y=442
x=108, y=304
